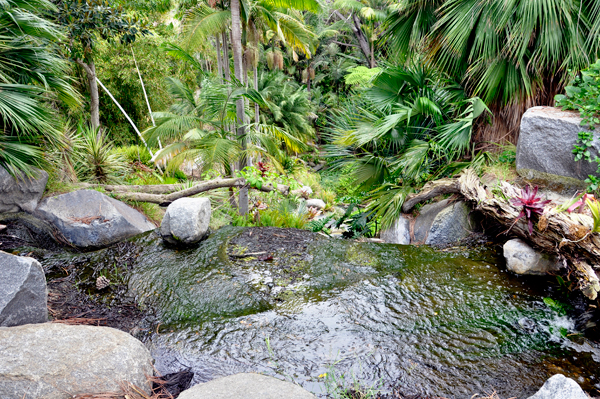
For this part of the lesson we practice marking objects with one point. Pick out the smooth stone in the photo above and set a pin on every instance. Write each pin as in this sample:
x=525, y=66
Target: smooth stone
x=88, y=218
x=451, y=225
x=398, y=233
x=560, y=387
x=22, y=193
x=59, y=361
x=186, y=221
x=522, y=259
x=315, y=203
x=23, y=293
x=247, y=386
x=425, y=219
x=544, y=149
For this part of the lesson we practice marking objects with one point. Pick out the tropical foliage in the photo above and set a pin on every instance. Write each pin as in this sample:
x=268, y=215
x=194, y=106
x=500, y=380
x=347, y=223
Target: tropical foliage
x=509, y=53
x=31, y=72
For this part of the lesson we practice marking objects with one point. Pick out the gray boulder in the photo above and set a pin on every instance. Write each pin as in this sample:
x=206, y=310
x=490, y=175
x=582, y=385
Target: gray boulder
x=23, y=294
x=398, y=233
x=247, y=386
x=22, y=193
x=451, y=225
x=544, y=149
x=186, y=221
x=58, y=361
x=88, y=218
x=522, y=259
x=560, y=387
x=425, y=219
x=315, y=203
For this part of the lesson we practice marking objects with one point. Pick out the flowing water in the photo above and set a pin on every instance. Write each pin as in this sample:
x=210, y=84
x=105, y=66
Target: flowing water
x=450, y=324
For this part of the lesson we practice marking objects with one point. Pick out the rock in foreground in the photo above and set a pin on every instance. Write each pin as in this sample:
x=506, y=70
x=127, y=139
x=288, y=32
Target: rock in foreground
x=23, y=295
x=522, y=259
x=247, y=386
x=21, y=194
x=88, y=218
x=544, y=150
x=560, y=387
x=58, y=361
x=186, y=221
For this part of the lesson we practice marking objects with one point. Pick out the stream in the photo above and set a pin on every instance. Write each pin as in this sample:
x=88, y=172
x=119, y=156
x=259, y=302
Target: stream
x=320, y=311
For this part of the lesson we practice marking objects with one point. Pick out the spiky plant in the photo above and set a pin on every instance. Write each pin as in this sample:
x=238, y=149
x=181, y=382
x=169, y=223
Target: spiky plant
x=530, y=205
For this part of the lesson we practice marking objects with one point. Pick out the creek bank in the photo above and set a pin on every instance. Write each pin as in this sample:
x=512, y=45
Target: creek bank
x=58, y=361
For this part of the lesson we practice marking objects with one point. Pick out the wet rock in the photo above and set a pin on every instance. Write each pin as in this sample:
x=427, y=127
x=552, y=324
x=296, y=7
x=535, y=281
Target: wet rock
x=88, y=218
x=398, y=233
x=544, y=149
x=315, y=203
x=247, y=386
x=186, y=221
x=451, y=225
x=23, y=295
x=522, y=259
x=59, y=361
x=22, y=193
x=560, y=387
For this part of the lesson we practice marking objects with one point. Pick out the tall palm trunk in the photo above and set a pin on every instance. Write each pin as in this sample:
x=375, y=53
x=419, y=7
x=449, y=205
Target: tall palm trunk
x=219, y=60
x=256, y=107
x=236, y=45
x=226, y=58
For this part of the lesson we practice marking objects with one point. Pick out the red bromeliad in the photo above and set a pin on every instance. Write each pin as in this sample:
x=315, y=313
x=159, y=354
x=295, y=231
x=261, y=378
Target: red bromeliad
x=530, y=205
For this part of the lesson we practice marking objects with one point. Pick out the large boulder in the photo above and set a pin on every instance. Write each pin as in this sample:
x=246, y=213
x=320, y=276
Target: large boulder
x=186, y=221
x=560, y=387
x=522, y=259
x=398, y=233
x=544, y=149
x=23, y=294
x=451, y=225
x=59, y=361
x=21, y=193
x=88, y=218
x=247, y=386
x=424, y=221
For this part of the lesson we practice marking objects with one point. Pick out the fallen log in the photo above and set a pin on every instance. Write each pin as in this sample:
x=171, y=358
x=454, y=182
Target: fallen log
x=568, y=235
x=167, y=193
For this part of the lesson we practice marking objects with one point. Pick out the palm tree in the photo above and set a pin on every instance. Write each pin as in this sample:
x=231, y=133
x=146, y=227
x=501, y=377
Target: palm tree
x=409, y=127
x=366, y=17
x=512, y=54
x=31, y=70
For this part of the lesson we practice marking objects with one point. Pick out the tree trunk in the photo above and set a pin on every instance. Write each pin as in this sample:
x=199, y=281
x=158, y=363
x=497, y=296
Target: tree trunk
x=360, y=36
x=90, y=70
x=236, y=45
x=219, y=60
x=256, y=106
x=226, y=58
x=156, y=194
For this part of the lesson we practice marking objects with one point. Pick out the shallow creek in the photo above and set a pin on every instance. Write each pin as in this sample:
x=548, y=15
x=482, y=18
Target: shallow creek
x=447, y=323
